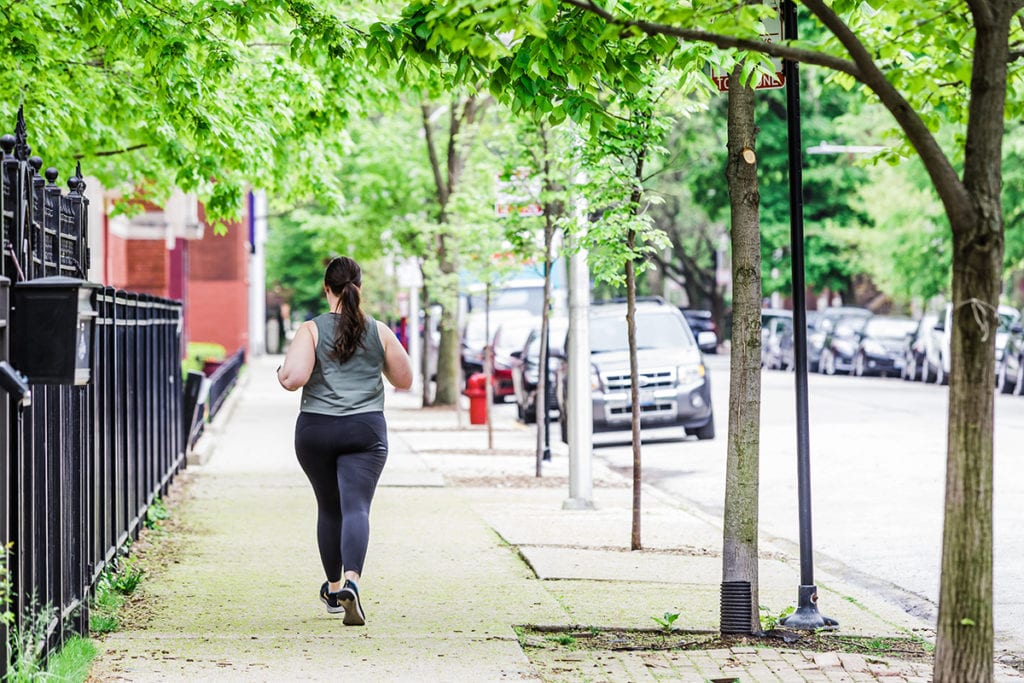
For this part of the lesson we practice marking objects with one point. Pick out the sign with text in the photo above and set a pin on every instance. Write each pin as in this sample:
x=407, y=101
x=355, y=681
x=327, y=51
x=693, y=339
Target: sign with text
x=517, y=194
x=772, y=34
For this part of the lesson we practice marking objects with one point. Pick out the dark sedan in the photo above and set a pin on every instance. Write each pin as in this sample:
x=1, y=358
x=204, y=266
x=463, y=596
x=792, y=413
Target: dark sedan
x=822, y=332
x=525, y=369
x=880, y=345
x=704, y=328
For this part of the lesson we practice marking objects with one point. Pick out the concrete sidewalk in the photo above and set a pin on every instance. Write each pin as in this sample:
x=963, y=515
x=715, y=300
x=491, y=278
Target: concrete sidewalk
x=466, y=544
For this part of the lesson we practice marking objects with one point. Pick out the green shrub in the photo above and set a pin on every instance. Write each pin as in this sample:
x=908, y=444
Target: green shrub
x=197, y=353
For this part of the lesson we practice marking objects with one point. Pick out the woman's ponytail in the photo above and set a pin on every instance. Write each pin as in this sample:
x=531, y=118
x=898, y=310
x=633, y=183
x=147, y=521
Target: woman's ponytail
x=344, y=277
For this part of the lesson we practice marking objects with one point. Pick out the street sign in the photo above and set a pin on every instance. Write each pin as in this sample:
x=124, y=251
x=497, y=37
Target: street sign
x=772, y=34
x=517, y=194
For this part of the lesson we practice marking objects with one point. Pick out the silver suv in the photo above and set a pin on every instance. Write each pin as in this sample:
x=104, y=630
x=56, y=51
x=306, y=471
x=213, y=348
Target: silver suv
x=675, y=390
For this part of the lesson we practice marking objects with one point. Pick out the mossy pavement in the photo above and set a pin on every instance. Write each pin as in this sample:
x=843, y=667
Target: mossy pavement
x=466, y=544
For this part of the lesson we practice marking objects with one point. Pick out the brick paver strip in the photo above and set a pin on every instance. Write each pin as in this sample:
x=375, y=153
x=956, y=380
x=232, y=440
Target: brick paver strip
x=636, y=668
x=852, y=662
x=826, y=660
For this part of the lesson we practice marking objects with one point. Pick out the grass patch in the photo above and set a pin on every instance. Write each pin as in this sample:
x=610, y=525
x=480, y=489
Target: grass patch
x=114, y=585
x=71, y=663
x=621, y=640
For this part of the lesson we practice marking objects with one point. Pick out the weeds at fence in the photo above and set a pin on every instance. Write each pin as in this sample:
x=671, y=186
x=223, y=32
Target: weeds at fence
x=156, y=513
x=72, y=662
x=25, y=644
x=116, y=583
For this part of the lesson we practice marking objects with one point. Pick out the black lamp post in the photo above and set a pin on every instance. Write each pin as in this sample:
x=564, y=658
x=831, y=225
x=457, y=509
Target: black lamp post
x=806, y=615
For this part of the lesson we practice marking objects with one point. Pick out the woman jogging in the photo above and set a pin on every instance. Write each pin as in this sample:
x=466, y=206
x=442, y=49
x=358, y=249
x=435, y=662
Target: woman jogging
x=341, y=439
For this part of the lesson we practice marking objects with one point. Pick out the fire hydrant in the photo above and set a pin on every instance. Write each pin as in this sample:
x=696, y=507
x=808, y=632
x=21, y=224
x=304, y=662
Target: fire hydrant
x=476, y=390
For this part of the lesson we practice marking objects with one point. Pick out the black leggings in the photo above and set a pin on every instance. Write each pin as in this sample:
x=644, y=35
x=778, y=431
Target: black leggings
x=343, y=456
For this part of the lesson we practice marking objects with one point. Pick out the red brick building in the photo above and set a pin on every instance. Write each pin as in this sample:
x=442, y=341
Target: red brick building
x=171, y=253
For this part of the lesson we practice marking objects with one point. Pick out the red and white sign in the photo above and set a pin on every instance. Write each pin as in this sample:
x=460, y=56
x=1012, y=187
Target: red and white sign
x=517, y=194
x=772, y=34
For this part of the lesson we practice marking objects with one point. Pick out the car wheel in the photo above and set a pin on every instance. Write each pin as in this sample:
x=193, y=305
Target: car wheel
x=827, y=363
x=911, y=369
x=563, y=427
x=1003, y=386
x=703, y=433
x=858, y=365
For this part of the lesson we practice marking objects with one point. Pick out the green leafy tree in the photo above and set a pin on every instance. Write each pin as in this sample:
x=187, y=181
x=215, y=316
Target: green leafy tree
x=206, y=96
x=936, y=83
x=867, y=47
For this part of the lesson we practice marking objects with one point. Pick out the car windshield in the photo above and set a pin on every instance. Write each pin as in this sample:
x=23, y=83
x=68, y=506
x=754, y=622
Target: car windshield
x=889, y=328
x=511, y=336
x=653, y=331
x=1007, y=319
x=847, y=327
x=526, y=298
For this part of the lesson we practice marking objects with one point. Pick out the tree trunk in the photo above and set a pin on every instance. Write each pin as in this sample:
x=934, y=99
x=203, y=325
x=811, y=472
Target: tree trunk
x=739, y=548
x=634, y=379
x=449, y=359
x=462, y=112
x=541, y=407
x=964, y=643
x=634, y=395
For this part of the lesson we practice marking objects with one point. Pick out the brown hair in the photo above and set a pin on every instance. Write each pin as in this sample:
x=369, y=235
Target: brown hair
x=344, y=277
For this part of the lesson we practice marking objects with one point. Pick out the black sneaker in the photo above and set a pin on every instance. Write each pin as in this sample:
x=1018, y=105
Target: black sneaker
x=348, y=596
x=332, y=600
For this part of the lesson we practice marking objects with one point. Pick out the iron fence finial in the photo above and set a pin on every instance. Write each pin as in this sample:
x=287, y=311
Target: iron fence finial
x=21, y=148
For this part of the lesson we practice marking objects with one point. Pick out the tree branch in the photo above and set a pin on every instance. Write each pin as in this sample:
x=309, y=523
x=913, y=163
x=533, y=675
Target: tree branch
x=112, y=152
x=725, y=42
x=1014, y=56
x=862, y=67
x=951, y=190
x=435, y=165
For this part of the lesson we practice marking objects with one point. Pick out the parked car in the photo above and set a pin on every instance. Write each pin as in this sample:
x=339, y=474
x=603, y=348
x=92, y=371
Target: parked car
x=508, y=331
x=840, y=345
x=776, y=325
x=938, y=348
x=824, y=323
x=915, y=348
x=1010, y=364
x=525, y=368
x=880, y=345
x=787, y=341
x=507, y=344
x=704, y=328
x=476, y=330
x=675, y=388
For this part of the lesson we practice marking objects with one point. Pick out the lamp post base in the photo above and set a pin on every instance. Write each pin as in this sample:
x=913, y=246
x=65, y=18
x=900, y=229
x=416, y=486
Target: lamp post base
x=806, y=617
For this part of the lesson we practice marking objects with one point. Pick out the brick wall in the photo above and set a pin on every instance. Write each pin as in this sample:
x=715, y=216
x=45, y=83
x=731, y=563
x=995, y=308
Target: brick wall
x=138, y=265
x=218, y=304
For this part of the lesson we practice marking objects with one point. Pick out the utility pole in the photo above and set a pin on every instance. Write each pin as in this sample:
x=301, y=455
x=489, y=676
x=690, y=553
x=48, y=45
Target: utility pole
x=580, y=420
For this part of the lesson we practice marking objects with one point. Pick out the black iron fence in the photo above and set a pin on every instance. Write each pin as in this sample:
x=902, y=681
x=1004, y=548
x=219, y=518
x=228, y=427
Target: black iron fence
x=223, y=380
x=82, y=462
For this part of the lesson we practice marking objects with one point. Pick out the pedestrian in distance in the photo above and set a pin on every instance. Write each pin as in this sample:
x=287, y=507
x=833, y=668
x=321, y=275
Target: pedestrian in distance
x=341, y=442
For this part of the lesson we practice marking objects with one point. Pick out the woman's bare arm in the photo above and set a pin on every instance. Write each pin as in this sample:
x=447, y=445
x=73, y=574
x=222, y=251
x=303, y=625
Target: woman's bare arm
x=397, y=366
x=300, y=359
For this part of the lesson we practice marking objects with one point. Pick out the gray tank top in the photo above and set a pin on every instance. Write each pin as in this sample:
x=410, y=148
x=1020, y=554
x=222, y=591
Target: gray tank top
x=355, y=386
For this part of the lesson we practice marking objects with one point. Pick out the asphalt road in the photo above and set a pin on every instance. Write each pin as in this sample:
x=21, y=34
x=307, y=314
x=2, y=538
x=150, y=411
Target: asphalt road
x=877, y=449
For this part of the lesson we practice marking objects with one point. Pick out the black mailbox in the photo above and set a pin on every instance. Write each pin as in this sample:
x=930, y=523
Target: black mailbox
x=51, y=329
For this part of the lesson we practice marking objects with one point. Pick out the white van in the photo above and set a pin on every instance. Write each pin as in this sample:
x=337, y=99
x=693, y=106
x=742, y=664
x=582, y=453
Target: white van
x=937, y=353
